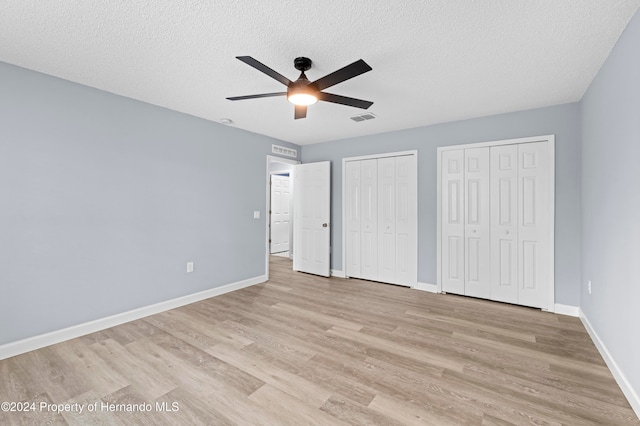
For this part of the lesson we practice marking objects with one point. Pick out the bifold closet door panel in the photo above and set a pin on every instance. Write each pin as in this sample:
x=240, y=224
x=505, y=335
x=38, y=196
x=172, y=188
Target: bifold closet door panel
x=387, y=219
x=452, y=218
x=381, y=210
x=406, y=220
x=534, y=231
x=369, y=219
x=353, y=218
x=477, y=245
x=504, y=223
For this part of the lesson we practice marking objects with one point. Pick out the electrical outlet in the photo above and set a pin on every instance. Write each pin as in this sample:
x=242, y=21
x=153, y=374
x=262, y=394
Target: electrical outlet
x=589, y=286
x=189, y=267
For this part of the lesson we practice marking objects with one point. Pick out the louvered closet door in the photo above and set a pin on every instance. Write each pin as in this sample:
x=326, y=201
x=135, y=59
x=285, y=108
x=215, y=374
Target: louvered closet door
x=477, y=245
x=452, y=217
x=353, y=216
x=369, y=219
x=504, y=223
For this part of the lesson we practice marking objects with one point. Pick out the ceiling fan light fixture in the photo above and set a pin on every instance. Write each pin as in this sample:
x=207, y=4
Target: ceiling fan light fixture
x=302, y=98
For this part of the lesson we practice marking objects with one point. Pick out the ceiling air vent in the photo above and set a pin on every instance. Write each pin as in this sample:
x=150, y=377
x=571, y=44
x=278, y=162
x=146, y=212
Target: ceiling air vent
x=287, y=152
x=363, y=117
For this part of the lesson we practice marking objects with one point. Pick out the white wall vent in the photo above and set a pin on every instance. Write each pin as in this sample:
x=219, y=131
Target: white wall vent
x=287, y=152
x=363, y=117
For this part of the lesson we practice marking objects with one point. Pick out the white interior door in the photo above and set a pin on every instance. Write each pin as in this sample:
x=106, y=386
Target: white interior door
x=369, y=219
x=477, y=221
x=504, y=223
x=387, y=219
x=280, y=213
x=452, y=228
x=312, y=213
x=519, y=203
x=406, y=208
x=352, y=218
x=534, y=232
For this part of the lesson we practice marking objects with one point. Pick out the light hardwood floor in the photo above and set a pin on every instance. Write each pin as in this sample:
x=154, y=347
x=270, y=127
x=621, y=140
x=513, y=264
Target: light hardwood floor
x=304, y=350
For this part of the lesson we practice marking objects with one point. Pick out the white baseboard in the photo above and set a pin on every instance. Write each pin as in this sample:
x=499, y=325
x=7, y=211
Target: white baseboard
x=338, y=273
x=572, y=311
x=431, y=288
x=32, y=343
x=625, y=386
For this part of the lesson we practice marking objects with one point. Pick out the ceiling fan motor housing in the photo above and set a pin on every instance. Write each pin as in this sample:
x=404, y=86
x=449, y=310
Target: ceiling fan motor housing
x=302, y=64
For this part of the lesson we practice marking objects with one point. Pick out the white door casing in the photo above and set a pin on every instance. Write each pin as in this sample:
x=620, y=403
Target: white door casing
x=280, y=217
x=312, y=213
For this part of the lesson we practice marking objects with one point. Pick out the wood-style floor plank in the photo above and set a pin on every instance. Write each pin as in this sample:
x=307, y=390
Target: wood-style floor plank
x=302, y=349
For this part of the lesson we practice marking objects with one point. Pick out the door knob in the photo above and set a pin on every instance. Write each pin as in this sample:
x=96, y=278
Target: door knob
x=506, y=232
x=474, y=231
x=324, y=225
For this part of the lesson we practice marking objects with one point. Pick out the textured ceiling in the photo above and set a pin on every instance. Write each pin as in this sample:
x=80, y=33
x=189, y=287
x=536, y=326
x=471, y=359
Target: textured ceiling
x=433, y=61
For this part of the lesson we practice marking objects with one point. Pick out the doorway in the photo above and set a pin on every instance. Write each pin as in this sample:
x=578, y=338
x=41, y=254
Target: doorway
x=278, y=166
x=280, y=214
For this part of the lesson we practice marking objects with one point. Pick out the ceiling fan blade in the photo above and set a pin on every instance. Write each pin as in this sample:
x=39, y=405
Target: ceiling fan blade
x=262, y=95
x=301, y=111
x=265, y=69
x=350, y=71
x=344, y=100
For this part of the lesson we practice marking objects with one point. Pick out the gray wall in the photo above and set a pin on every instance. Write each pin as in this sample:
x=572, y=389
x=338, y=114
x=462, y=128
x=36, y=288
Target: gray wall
x=611, y=203
x=104, y=199
x=562, y=120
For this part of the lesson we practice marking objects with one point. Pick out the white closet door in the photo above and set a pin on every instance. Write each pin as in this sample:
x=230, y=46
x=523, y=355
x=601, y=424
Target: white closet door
x=381, y=210
x=353, y=217
x=369, y=219
x=477, y=223
x=534, y=232
x=504, y=223
x=452, y=227
x=406, y=220
x=387, y=219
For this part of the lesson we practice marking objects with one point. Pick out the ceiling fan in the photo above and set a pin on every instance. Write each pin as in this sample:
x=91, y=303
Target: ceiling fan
x=303, y=92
